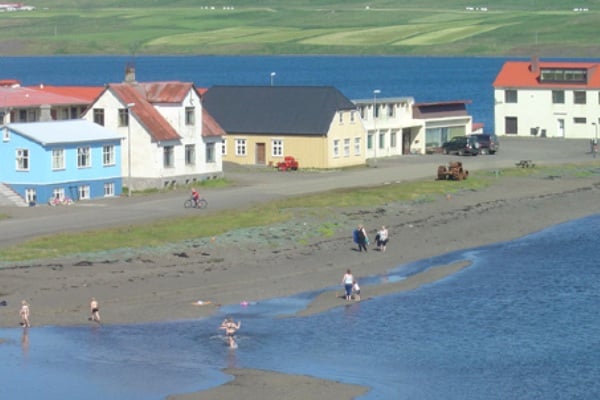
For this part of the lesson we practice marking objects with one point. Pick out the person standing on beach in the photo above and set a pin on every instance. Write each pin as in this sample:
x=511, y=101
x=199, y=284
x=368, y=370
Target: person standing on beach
x=94, y=310
x=356, y=290
x=382, y=238
x=361, y=238
x=24, y=314
x=230, y=328
x=348, y=282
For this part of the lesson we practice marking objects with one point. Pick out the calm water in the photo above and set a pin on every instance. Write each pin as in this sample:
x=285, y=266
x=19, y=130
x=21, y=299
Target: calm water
x=521, y=323
x=424, y=78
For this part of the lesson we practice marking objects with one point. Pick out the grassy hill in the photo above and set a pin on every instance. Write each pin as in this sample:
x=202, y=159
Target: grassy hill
x=379, y=27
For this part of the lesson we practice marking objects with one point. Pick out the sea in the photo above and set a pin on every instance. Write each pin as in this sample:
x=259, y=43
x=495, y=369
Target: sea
x=522, y=322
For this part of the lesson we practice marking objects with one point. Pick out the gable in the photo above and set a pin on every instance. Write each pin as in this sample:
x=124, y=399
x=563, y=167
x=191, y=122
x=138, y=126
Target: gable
x=291, y=110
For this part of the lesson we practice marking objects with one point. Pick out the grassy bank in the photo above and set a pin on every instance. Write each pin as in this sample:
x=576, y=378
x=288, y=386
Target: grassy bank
x=302, y=27
x=162, y=232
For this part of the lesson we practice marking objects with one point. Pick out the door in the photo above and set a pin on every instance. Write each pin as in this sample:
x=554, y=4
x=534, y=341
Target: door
x=260, y=153
x=406, y=140
x=561, y=128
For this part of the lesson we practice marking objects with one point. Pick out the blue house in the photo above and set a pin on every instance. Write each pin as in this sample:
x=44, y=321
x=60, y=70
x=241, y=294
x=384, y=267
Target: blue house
x=74, y=159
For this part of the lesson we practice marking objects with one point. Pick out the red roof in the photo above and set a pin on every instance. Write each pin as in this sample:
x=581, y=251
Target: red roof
x=524, y=74
x=154, y=123
x=86, y=93
x=18, y=96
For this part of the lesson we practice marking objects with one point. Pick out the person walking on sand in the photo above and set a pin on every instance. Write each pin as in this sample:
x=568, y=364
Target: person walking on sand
x=361, y=238
x=348, y=282
x=24, y=314
x=94, y=310
x=382, y=238
x=230, y=328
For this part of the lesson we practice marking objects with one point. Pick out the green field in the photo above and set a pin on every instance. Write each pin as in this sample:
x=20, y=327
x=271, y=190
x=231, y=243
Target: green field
x=380, y=27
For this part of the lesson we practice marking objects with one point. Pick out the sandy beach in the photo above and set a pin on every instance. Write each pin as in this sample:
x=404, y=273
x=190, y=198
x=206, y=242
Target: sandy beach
x=190, y=280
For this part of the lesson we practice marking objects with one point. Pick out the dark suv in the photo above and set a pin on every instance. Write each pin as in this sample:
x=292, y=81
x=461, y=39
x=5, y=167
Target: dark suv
x=479, y=143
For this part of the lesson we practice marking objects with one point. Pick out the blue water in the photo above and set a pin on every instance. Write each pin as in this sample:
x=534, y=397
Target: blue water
x=426, y=79
x=521, y=323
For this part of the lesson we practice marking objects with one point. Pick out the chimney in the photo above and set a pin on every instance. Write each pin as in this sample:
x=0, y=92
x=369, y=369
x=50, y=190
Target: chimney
x=130, y=74
x=535, y=64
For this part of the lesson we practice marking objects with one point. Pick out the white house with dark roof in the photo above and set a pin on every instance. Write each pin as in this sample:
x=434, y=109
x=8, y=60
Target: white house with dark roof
x=317, y=125
x=547, y=98
x=170, y=138
x=73, y=158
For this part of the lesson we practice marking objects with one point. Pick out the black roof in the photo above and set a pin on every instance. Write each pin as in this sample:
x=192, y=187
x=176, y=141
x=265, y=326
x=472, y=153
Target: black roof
x=283, y=110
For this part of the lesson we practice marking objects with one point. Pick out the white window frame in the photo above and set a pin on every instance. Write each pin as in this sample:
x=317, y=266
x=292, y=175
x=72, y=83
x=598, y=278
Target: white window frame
x=223, y=147
x=84, y=157
x=109, y=189
x=108, y=155
x=190, y=116
x=30, y=195
x=190, y=154
x=277, y=147
x=357, y=146
x=22, y=159
x=5, y=135
x=169, y=156
x=58, y=159
x=211, y=153
x=336, y=148
x=84, y=192
x=241, y=148
x=347, y=147
x=58, y=192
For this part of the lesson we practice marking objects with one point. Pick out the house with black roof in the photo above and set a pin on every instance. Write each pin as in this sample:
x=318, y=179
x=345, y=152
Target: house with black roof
x=317, y=125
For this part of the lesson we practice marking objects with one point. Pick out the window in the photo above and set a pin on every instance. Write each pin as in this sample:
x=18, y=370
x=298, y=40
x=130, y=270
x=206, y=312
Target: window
x=563, y=75
x=84, y=159
x=579, y=97
x=382, y=140
x=99, y=116
x=393, y=135
x=210, y=153
x=357, y=146
x=362, y=112
x=30, y=196
x=168, y=157
x=341, y=114
x=84, y=192
x=108, y=155
x=58, y=159
x=224, y=147
x=22, y=115
x=22, y=160
x=558, y=97
x=352, y=116
x=376, y=111
x=6, y=135
x=336, y=148
x=277, y=148
x=510, y=96
x=370, y=140
x=109, y=189
x=58, y=193
x=511, y=125
x=240, y=147
x=579, y=120
x=391, y=110
x=123, y=117
x=190, y=116
x=190, y=154
x=346, y=147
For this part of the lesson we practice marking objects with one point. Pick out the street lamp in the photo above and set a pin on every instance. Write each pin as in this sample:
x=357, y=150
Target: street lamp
x=273, y=78
x=375, y=93
x=129, y=107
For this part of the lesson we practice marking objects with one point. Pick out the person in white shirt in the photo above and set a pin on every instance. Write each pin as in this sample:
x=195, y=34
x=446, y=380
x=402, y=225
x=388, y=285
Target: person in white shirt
x=348, y=282
x=382, y=238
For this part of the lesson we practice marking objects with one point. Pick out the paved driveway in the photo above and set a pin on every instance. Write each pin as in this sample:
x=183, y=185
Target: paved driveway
x=255, y=185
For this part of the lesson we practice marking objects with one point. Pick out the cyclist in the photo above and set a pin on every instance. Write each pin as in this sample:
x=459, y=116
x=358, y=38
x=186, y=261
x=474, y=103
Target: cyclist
x=195, y=196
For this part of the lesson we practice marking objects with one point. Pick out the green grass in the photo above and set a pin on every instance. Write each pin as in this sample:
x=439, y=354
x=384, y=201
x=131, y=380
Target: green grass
x=302, y=27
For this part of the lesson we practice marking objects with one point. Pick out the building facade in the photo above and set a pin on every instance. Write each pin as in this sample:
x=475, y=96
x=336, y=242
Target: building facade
x=73, y=159
x=547, y=98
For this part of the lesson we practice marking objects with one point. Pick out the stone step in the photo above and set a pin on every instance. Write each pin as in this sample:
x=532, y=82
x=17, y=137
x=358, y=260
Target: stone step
x=8, y=197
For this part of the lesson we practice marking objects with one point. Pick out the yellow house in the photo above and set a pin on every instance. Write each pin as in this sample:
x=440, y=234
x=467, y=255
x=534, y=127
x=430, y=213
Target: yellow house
x=317, y=125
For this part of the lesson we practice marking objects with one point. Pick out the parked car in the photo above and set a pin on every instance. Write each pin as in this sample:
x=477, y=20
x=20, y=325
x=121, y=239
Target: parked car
x=461, y=145
x=487, y=143
x=480, y=143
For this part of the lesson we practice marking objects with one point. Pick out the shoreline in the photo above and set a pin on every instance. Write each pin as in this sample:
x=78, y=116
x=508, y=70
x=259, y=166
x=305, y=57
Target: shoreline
x=163, y=284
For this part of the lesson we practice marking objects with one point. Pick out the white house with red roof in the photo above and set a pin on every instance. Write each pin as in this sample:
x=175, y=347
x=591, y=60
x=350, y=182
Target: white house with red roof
x=548, y=98
x=170, y=139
